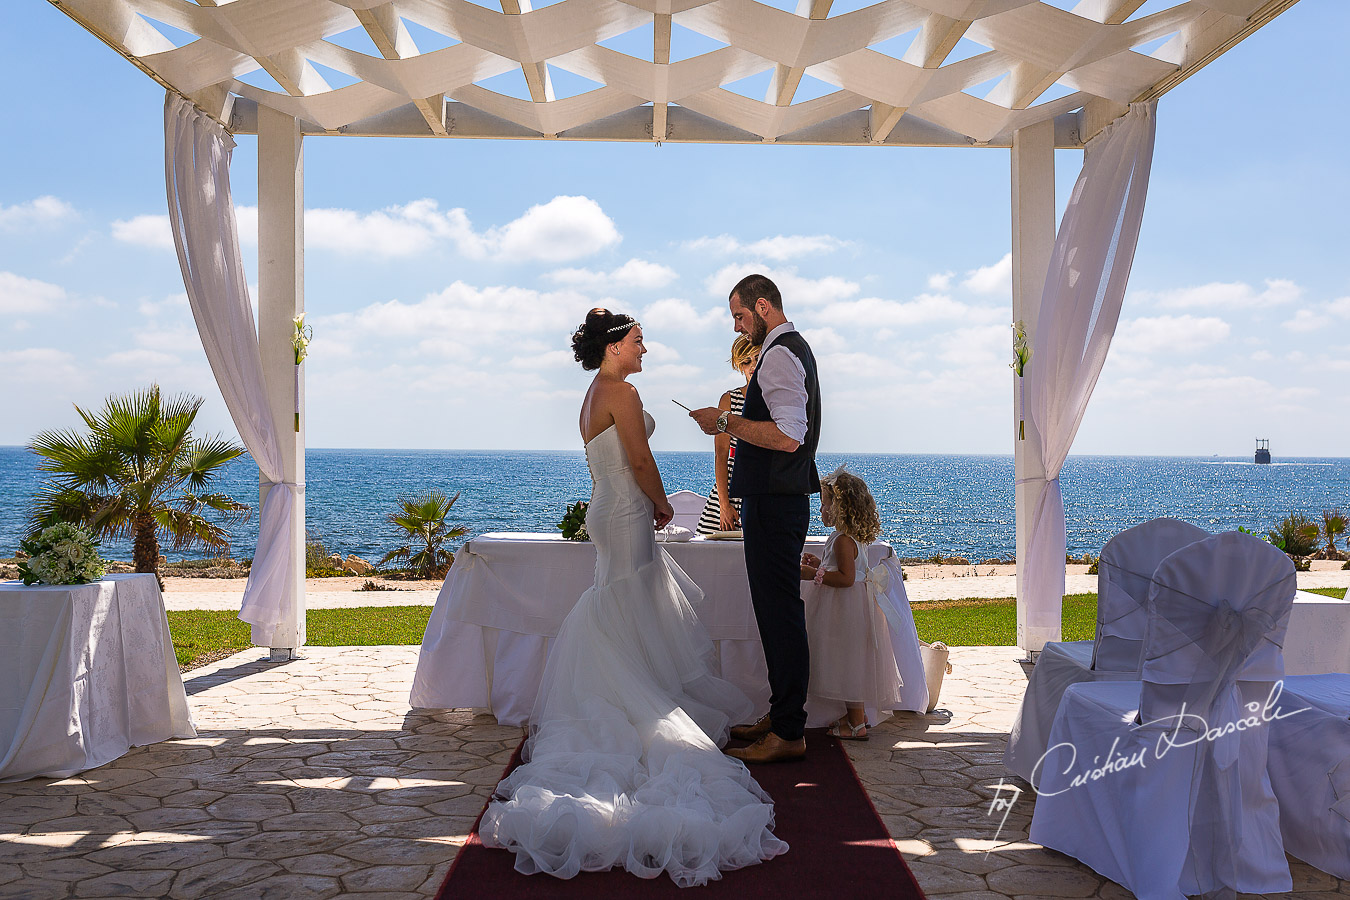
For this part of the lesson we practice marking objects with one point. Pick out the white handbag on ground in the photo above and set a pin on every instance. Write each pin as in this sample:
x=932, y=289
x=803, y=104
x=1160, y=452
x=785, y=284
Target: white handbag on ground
x=935, y=666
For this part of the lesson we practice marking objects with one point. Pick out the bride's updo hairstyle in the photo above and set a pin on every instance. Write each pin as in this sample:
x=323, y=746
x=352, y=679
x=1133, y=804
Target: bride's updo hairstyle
x=600, y=329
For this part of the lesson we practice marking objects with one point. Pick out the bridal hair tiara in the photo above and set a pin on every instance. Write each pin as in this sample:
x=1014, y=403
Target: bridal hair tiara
x=623, y=327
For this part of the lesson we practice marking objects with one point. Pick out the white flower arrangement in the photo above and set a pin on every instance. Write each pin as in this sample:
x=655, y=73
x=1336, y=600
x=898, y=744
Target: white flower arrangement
x=1021, y=356
x=61, y=554
x=300, y=344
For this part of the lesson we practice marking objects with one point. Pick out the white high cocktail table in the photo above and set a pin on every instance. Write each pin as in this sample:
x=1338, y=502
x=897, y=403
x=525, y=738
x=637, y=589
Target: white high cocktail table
x=87, y=671
x=508, y=594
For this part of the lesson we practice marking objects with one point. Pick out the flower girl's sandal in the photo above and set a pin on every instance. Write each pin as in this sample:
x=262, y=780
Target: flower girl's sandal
x=847, y=732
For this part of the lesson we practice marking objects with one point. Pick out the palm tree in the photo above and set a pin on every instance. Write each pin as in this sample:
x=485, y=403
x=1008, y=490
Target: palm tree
x=1333, y=526
x=138, y=472
x=421, y=520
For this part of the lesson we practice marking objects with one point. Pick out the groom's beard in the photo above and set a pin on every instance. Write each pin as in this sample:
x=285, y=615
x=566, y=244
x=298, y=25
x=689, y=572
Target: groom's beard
x=759, y=329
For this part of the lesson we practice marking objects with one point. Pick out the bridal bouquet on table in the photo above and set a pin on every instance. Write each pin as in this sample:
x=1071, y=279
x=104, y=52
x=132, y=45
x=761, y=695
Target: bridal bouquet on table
x=61, y=554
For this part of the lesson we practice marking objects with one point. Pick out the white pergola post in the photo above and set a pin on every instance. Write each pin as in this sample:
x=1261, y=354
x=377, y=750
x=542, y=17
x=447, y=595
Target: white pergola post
x=1033, y=242
x=281, y=297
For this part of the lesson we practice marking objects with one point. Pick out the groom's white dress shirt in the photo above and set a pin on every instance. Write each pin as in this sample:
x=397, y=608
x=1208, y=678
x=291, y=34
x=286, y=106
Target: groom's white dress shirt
x=782, y=379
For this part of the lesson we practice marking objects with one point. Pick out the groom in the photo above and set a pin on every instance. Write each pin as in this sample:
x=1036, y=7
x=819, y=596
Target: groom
x=775, y=475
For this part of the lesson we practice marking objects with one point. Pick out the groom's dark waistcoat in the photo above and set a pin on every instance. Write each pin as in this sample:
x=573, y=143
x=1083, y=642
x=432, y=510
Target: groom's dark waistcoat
x=759, y=470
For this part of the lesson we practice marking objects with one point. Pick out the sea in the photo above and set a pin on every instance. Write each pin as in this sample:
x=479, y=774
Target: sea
x=943, y=505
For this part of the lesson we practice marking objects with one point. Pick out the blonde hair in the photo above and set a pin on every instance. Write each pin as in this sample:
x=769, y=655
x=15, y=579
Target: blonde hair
x=742, y=351
x=855, y=512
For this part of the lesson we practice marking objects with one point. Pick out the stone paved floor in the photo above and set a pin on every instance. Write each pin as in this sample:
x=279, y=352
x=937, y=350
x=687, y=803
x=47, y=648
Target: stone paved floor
x=312, y=779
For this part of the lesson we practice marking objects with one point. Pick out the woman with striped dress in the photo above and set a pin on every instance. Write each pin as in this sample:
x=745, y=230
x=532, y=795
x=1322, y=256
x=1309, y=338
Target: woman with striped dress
x=723, y=513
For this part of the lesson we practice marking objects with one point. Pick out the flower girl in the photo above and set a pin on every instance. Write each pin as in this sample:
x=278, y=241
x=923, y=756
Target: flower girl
x=852, y=660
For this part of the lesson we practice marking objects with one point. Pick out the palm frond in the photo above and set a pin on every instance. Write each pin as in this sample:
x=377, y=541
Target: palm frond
x=55, y=502
x=81, y=458
x=189, y=530
x=400, y=553
x=205, y=457
x=230, y=509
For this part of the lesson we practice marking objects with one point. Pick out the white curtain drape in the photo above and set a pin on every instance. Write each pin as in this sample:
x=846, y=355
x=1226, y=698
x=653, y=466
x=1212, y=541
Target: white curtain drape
x=201, y=211
x=1079, y=309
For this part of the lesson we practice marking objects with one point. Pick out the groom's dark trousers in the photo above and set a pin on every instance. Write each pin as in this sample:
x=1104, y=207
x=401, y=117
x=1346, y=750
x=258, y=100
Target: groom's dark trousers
x=775, y=531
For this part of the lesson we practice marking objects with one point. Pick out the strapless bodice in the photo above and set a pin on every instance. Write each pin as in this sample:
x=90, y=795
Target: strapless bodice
x=605, y=455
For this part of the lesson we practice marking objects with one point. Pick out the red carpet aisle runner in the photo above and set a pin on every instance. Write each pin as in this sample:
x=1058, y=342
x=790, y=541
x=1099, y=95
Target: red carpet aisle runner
x=838, y=848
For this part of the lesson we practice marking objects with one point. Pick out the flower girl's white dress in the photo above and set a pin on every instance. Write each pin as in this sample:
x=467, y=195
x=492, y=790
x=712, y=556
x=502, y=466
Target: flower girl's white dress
x=852, y=659
x=623, y=761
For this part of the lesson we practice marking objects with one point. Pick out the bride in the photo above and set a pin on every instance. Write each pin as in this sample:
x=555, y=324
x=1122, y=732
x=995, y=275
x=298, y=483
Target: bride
x=623, y=761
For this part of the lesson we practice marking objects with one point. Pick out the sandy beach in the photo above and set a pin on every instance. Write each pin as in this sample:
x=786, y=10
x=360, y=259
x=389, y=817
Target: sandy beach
x=925, y=583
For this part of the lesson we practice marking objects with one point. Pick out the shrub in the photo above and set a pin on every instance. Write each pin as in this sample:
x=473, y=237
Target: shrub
x=421, y=524
x=1333, y=526
x=138, y=472
x=1296, y=534
x=317, y=563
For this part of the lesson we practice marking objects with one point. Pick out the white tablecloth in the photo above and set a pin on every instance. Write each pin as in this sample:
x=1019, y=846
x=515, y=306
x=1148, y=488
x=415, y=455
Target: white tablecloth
x=508, y=594
x=87, y=671
x=1318, y=640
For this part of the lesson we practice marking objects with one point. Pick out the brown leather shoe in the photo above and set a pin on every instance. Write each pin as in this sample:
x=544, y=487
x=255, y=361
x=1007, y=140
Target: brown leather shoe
x=771, y=748
x=752, y=732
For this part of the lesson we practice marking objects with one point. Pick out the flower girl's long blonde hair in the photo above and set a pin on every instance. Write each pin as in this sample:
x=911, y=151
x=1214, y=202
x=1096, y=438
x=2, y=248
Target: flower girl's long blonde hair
x=855, y=512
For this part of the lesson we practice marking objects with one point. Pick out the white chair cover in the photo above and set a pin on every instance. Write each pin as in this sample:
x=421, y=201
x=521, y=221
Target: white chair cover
x=1161, y=784
x=687, y=507
x=1310, y=769
x=1125, y=572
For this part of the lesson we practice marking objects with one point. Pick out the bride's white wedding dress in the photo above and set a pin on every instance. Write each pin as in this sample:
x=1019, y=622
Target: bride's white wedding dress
x=623, y=761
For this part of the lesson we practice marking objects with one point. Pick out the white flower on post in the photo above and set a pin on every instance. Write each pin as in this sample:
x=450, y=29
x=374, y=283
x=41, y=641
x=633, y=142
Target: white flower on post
x=300, y=345
x=1021, y=356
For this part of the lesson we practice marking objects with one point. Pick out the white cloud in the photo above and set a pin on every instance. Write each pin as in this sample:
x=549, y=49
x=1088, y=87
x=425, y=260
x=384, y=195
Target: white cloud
x=659, y=353
x=144, y=231
x=461, y=314
x=1169, y=334
x=824, y=340
x=796, y=289
x=1262, y=356
x=678, y=315
x=563, y=229
x=995, y=279
x=174, y=304
x=874, y=312
x=1228, y=295
x=141, y=358
x=46, y=366
x=24, y=296
x=779, y=248
x=636, y=274
x=1306, y=320
x=45, y=210
x=979, y=349
x=940, y=281
x=548, y=359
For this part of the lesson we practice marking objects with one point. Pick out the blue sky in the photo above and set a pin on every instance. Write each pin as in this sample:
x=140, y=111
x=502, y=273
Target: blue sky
x=443, y=277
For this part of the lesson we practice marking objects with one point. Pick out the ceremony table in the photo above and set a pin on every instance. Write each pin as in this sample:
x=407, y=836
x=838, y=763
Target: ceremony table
x=87, y=671
x=1318, y=640
x=508, y=593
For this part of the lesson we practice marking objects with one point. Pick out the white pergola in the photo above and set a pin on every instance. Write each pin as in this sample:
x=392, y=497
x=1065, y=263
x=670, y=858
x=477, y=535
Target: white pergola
x=1061, y=72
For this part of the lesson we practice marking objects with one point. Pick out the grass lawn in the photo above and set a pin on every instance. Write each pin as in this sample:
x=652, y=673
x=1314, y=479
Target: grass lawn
x=978, y=622
x=204, y=635
x=201, y=636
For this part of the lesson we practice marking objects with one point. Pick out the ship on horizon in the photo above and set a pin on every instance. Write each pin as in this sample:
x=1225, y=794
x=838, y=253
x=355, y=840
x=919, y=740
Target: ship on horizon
x=1263, y=451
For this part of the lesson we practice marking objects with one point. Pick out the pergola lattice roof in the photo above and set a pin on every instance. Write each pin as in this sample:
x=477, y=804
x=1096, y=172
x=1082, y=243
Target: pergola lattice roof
x=1082, y=55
